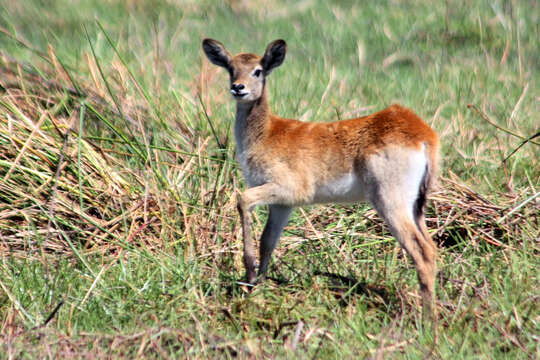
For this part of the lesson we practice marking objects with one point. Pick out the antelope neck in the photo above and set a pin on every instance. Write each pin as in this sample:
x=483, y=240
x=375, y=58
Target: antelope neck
x=250, y=121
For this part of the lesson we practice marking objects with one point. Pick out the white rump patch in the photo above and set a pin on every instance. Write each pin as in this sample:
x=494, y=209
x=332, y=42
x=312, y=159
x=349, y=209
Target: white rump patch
x=413, y=177
x=398, y=173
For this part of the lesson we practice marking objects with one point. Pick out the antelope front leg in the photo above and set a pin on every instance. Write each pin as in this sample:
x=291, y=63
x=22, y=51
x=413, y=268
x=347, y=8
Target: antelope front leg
x=249, y=249
x=266, y=194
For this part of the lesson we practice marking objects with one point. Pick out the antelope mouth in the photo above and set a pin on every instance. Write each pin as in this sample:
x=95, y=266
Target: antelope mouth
x=238, y=94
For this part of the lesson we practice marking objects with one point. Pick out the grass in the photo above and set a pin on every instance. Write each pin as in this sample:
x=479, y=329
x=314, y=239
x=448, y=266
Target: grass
x=118, y=228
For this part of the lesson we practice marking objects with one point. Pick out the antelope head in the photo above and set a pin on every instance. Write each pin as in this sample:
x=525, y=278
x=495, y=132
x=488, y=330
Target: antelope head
x=247, y=71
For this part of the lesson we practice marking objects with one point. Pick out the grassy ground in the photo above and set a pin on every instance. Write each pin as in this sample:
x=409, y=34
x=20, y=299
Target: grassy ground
x=118, y=230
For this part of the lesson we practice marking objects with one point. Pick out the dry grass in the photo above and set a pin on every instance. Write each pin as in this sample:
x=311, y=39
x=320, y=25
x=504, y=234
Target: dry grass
x=61, y=185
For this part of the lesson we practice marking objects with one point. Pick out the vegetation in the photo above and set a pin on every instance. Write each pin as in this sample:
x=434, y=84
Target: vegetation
x=119, y=235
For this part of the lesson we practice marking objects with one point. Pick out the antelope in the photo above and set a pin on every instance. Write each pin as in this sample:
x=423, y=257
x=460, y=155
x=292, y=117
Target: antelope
x=388, y=158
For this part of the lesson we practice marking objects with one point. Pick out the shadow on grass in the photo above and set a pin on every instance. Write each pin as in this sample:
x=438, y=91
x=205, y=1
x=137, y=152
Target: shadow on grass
x=345, y=287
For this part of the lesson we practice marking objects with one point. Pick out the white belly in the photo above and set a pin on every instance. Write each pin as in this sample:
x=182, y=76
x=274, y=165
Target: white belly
x=345, y=189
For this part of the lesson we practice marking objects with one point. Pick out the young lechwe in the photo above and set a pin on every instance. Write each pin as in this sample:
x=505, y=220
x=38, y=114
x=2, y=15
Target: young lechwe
x=388, y=158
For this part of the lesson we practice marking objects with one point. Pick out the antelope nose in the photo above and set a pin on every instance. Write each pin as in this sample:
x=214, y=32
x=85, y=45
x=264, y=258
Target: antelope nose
x=237, y=87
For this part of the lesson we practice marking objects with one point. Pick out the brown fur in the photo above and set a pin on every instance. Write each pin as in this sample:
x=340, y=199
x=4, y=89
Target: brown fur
x=335, y=147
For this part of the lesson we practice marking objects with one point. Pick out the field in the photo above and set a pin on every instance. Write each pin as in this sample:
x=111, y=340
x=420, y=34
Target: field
x=119, y=236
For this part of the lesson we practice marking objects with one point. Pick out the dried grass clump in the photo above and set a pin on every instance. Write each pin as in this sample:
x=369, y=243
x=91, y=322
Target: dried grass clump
x=463, y=215
x=58, y=188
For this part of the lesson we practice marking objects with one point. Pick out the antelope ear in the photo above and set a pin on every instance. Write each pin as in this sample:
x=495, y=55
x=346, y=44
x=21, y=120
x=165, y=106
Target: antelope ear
x=216, y=53
x=274, y=55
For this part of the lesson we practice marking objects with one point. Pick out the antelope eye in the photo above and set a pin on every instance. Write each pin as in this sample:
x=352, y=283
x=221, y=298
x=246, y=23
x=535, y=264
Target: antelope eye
x=257, y=73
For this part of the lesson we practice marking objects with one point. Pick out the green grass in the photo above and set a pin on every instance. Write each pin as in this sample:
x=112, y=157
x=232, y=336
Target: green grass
x=119, y=210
